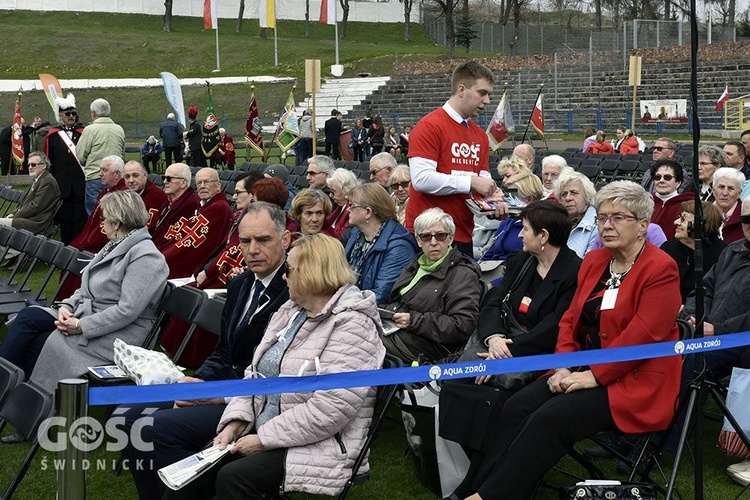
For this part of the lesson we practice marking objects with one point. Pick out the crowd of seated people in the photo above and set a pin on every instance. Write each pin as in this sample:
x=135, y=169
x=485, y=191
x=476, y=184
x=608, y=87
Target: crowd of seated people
x=578, y=268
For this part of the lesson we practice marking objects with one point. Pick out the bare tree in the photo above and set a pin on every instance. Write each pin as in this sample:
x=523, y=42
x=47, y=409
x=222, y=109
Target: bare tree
x=238, y=29
x=407, y=19
x=345, y=8
x=307, y=17
x=447, y=8
x=167, y=15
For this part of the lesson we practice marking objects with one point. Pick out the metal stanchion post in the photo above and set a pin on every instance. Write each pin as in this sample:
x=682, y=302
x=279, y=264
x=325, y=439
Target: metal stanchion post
x=72, y=401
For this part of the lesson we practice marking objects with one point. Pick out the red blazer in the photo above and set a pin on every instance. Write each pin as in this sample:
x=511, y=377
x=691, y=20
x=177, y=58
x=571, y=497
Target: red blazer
x=642, y=394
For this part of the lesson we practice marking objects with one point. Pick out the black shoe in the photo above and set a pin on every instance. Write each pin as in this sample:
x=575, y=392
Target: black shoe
x=648, y=457
x=11, y=262
x=620, y=444
x=15, y=438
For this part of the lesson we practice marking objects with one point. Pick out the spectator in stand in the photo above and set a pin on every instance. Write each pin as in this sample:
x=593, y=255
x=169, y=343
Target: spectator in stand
x=306, y=126
x=710, y=158
x=375, y=136
x=727, y=185
x=381, y=168
x=340, y=182
x=379, y=247
x=359, y=140
x=601, y=146
x=225, y=153
x=102, y=137
x=553, y=166
x=435, y=301
x=183, y=203
x=319, y=168
x=391, y=143
x=667, y=175
x=589, y=138
x=737, y=157
x=664, y=149
x=309, y=210
x=404, y=140
x=118, y=298
x=682, y=247
x=171, y=132
x=526, y=153
x=151, y=153
x=629, y=144
x=155, y=200
x=333, y=130
x=399, y=182
x=576, y=193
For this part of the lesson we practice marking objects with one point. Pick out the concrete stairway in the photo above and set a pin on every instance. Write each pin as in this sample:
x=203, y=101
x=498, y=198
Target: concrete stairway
x=342, y=94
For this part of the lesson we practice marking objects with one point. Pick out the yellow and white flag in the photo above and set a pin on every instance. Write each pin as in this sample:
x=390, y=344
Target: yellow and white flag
x=267, y=13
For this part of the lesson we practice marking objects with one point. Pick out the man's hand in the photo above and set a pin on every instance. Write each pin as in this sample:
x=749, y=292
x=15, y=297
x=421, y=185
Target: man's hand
x=196, y=402
x=200, y=278
x=402, y=320
x=483, y=185
x=708, y=328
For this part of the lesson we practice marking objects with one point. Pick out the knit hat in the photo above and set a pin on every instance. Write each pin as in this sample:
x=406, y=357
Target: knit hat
x=277, y=170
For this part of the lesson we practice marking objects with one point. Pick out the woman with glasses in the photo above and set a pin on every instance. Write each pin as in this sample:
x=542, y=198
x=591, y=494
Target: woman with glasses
x=302, y=441
x=682, y=247
x=341, y=182
x=400, y=181
x=667, y=176
x=379, y=247
x=576, y=193
x=435, y=301
x=309, y=211
x=710, y=158
x=628, y=294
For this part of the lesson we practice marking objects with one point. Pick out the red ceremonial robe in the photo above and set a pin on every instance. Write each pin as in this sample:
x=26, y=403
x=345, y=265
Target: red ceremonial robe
x=225, y=154
x=193, y=240
x=155, y=200
x=185, y=206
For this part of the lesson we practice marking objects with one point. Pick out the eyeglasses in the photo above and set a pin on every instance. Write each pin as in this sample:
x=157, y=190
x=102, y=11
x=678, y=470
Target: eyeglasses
x=706, y=163
x=70, y=113
x=313, y=173
x=205, y=183
x=373, y=173
x=427, y=237
x=666, y=177
x=289, y=270
x=400, y=185
x=239, y=191
x=660, y=148
x=614, y=218
x=745, y=219
x=684, y=219
x=170, y=178
x=356, y=205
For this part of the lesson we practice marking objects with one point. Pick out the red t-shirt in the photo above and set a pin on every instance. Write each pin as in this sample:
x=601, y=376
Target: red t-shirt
x=458, y=150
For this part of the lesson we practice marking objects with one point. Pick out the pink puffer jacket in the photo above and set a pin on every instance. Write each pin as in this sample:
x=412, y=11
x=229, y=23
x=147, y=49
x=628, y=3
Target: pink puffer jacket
x=323, y=430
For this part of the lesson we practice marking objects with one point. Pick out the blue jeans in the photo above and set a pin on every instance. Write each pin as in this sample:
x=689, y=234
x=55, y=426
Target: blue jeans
x=93, y=188
x=26, y=338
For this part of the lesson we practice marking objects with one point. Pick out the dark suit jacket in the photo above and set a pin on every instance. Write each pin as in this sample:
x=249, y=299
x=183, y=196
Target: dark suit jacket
x=36, y=210
x=233, y=354
x=333, y=130
x=65, y=167
x=548, y=303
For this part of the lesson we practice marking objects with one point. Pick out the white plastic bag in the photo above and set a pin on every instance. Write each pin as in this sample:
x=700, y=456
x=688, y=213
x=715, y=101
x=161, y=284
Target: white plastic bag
x=146, y=367
x=738, y=403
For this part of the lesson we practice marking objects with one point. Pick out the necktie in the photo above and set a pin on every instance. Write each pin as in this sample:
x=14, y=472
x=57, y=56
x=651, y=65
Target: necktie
x=257, y=290
x=464, y=123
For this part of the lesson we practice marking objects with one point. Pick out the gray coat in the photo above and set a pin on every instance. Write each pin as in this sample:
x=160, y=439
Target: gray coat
x=118, y=298
x=36, y=210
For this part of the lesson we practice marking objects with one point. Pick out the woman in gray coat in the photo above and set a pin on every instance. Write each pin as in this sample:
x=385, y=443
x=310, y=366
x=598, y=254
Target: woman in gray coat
x=120, y=290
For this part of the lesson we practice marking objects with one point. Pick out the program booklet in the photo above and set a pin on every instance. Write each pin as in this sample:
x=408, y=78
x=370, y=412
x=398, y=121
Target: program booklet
x=108, y=372
x=180, y=473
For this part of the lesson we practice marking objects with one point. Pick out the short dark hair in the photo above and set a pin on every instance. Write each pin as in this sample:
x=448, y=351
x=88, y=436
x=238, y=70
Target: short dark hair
x=469, y=72
x=675, y=166
x=745, y=132
x=740, y=147
x=549, y=215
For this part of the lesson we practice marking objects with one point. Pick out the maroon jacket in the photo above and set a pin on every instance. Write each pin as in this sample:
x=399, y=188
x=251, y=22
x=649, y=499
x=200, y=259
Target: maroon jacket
x=186, y=206
x=155, y=200
x=731, y=231
x=665, y=213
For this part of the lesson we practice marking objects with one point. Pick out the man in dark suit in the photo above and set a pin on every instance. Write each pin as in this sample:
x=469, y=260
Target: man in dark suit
x=333, y=134
x=181, y=428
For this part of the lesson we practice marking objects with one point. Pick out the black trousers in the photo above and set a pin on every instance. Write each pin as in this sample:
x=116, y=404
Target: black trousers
x=25, y=340
x=170, y=151
x=536, y=429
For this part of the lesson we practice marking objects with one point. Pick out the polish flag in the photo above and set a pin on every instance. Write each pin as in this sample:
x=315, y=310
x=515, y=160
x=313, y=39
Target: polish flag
x=724, y=98
x=537, y=116
x=328, y=11
x=209, y=14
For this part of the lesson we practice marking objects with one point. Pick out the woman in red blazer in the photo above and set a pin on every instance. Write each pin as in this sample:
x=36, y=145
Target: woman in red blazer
x=628, y=294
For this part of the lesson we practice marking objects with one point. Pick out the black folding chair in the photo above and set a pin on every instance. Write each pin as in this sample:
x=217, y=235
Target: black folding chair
x=29, y=249
x=182, y=302
x=10, y=376
x=208, y=316
x=26, y=408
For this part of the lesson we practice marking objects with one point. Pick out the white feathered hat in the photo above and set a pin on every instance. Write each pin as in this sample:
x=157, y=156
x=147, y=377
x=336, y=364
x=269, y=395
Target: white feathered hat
x=65, y=103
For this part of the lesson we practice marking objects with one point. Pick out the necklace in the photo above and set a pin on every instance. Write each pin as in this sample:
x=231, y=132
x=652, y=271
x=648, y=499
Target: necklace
x=616, y=278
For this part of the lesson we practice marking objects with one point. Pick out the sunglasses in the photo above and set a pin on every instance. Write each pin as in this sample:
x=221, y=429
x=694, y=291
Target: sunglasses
x=70, y=113
x=35, y=164
x=745, y=219
x=660, y=148
x=169, y=178
x=427, y=237
x=666, y=177
x=400, y=185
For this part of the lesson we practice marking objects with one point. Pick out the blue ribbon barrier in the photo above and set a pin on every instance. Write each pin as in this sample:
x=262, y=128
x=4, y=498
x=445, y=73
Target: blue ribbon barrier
x=229, y=388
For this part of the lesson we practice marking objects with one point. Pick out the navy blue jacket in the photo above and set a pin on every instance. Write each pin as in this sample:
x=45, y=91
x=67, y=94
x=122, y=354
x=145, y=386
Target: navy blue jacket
x=171, y=133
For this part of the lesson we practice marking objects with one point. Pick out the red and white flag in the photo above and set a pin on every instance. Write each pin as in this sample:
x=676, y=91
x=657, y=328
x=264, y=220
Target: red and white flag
x=724, y=98
x=17, y=141
x=537, y=116
x=210, y=21
x=501, y=126
x=328, y=11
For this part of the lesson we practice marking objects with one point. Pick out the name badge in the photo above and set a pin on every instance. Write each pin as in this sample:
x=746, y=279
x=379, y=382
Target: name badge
x=610, y=297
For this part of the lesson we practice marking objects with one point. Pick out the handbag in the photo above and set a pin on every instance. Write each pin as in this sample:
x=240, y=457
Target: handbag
x=595, y=490
x=146, y=367
x=508, y=381
x=738, y=405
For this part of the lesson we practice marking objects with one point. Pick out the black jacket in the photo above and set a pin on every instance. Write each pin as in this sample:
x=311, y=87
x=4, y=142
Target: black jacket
x=333, y=130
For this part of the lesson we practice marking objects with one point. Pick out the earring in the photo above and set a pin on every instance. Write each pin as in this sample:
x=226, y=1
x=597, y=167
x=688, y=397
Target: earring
x=542, y=247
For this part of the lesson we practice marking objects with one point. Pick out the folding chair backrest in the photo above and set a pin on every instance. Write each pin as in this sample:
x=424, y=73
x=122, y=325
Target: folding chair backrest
x=5, y=233
x=208, y=316
x=10, y=376
x=79, y=262
x=183, y=302
x=27, y=406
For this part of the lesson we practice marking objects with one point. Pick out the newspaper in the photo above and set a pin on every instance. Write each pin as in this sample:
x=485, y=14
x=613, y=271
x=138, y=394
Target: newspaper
x=180, y=473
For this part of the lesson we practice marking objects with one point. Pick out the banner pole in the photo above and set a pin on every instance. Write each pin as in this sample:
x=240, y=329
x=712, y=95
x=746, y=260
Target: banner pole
x=218, y=66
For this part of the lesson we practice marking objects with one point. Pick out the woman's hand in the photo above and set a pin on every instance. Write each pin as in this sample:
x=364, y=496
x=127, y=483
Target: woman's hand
x=402, y=320
x=497, y=348
x=248, y=445
x=63, y=313
x=66, y=323
x=555, y=381
x=200, y=278
x=577, y=381
x=229, y=433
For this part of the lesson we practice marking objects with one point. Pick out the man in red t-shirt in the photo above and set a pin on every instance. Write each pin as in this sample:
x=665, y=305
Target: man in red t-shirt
x=449, y=154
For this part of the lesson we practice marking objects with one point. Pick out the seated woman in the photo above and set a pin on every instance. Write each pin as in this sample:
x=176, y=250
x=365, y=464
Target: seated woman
x=613, y=306
x=629, y=144
x=541, y=281
x=509, y=167
x=399, y=181
x=727, y=186
x=299, y=441
x=120, y=290
x=575, y=192
x=589, y=138
x=601, y=145
x=341, y=182
x=379, y=247
x=391, y=143
x=436, y=298
x=667, y=176
x=682, y=248
x=309, y=210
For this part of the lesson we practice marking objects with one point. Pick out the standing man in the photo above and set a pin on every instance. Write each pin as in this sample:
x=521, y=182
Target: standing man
x=449, y=154
x=171, y=132
x=136, y=179
x=194, y=135
x=381, y=168
x=664, y=149
x=333, y=134
x=101, y=138
x=182, y=202
x=60, y=148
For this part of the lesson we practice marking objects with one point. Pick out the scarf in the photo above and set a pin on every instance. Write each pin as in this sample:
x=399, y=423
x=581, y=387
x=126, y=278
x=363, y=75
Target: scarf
x=426, y=266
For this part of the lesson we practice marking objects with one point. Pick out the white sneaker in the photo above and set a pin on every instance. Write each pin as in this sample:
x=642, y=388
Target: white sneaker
x=742, y=477
x=739, y=467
